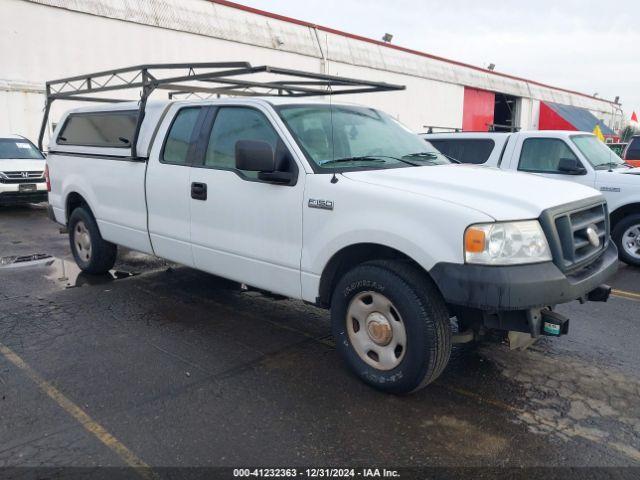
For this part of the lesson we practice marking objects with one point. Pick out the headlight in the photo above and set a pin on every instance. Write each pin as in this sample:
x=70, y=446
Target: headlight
x=506, y=243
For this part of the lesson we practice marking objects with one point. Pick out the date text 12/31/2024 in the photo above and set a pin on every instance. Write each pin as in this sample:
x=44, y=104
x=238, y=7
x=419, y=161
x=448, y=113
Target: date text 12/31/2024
x=315, y=473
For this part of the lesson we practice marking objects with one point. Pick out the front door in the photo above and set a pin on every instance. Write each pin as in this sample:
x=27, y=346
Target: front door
x=243, y=228
x=542, y=155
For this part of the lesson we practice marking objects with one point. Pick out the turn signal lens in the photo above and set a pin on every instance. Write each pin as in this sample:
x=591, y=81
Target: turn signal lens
x=474, y=240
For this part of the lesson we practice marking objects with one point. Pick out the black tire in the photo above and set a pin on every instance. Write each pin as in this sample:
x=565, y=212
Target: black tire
x=618, y=231
x=102, y=254
x=424, y=316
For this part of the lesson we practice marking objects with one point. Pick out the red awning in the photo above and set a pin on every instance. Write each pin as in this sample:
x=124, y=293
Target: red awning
x=556, y=116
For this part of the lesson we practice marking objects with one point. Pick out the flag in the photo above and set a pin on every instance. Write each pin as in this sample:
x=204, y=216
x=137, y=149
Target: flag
x=634, y=117
x=598, y=133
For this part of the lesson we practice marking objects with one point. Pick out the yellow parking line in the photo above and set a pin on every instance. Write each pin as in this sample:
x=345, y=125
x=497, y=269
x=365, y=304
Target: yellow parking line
x=625, y=294
x=80, y=415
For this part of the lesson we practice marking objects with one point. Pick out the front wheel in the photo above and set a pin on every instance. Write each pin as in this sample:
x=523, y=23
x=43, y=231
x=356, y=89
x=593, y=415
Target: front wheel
x=391, y=325
x=626, y=236
x=91, y=252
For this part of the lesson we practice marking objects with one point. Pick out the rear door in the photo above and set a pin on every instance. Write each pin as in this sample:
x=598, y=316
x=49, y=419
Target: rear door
x=243, y=228
x=168, y=183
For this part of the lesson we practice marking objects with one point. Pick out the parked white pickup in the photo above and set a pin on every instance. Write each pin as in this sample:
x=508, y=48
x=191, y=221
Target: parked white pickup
x=563, y=155
x=333, y=204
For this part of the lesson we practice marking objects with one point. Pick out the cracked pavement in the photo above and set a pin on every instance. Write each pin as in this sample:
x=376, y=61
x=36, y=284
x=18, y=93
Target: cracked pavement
x=186, y=370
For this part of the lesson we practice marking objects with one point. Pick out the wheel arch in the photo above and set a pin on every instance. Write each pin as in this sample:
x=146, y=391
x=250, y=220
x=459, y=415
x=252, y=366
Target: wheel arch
x=73, y=201
x=623, y=211
x=352, y=255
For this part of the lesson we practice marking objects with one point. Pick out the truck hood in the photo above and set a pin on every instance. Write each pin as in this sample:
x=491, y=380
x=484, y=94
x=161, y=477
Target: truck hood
x=631, y=171
x=626, y=176
x=500, y=194
x=20, y=165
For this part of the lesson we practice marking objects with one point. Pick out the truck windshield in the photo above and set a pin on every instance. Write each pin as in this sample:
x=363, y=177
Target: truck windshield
x=355, y=138
x=597, y=153
x=18, y=149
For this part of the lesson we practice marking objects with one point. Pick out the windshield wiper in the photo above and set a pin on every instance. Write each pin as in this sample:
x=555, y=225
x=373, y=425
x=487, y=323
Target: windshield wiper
x=353, y=159
x=610, y=165
x=368, y=158
x=431, y=155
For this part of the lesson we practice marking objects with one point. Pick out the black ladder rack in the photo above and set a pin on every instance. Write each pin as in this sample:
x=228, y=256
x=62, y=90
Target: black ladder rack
x=211, y=79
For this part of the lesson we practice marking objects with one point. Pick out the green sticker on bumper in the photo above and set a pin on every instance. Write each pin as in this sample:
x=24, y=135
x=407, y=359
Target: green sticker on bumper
x=551, y=328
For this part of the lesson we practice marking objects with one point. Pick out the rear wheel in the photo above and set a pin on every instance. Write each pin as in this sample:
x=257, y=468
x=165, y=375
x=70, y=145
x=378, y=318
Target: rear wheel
x=91, y=252
x=391, y=325
x=626, y=236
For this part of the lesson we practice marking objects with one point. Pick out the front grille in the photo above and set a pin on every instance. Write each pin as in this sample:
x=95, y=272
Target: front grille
x=22, y=177
x=571, y=233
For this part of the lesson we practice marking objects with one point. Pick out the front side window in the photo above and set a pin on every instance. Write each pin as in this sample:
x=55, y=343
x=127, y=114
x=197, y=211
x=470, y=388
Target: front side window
x=472, y=150
x=344, y=137
x=99, y=129
x=597, y=153
x=181, y=136
x=231, y=125
x=18, y=149
x=542, y=155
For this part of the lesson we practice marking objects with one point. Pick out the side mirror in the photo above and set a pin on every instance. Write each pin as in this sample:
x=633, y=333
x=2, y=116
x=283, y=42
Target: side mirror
x=571, y=166
x=255, y=156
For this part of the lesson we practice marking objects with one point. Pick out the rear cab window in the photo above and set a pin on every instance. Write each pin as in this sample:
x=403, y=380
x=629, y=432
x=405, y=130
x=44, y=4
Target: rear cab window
x=113, y=129
x=466, y=150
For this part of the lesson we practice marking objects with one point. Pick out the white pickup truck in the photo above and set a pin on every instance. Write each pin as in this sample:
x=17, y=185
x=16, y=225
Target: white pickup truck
x=337, y=205
x=563, y=155
x=21, y=171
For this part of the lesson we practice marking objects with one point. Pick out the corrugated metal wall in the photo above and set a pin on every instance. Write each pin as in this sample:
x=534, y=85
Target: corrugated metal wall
x=44, y=39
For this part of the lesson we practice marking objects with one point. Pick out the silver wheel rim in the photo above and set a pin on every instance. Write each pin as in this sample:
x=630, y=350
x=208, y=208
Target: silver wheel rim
x=376, y=330
x=82, y=241
x=631, y=241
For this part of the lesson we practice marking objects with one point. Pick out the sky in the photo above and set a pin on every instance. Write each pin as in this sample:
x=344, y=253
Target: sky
x=590, y=47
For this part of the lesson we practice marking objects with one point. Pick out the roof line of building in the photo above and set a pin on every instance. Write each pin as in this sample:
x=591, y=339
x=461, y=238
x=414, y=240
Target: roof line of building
x=303, y=23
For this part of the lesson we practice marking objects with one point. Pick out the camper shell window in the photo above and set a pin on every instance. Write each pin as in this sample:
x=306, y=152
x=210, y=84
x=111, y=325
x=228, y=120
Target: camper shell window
x=113, y=129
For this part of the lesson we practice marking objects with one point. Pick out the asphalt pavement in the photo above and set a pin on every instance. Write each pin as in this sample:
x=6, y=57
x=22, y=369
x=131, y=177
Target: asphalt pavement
x=163, y=366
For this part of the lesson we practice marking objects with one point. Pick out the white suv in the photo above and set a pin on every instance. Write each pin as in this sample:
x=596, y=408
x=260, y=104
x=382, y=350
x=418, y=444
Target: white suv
x=22, y=176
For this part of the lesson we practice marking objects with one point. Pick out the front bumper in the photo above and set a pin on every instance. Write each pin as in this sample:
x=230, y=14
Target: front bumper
x=13, y=198
x=520, y=287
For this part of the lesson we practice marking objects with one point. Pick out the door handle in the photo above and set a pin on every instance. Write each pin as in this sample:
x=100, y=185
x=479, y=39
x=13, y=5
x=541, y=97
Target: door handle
x=199, y=191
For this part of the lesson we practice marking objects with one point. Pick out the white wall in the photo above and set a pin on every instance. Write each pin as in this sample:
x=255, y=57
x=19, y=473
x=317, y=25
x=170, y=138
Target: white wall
x=20, y=108
x=48, y=39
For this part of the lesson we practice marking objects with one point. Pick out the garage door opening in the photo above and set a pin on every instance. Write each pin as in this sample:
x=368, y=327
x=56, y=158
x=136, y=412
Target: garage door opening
x=505, y=113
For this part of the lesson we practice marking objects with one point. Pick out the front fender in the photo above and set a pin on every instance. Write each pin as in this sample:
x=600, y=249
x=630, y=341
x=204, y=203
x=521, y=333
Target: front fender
x=425, y=229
